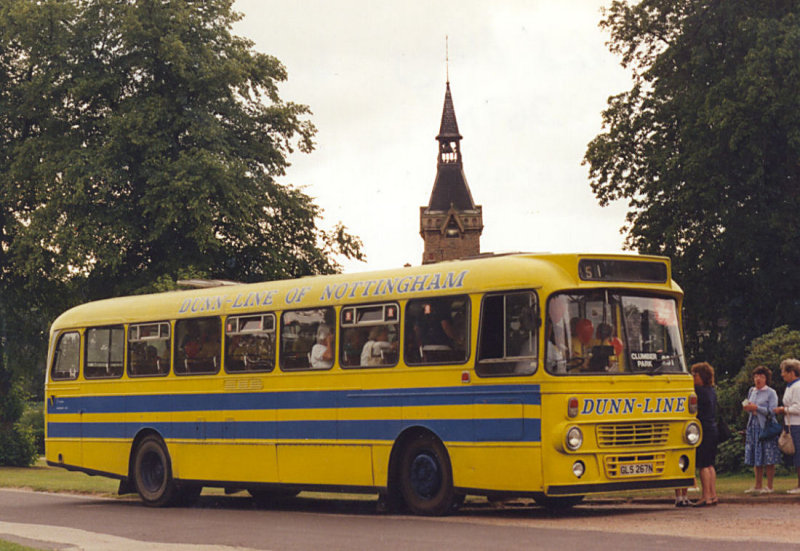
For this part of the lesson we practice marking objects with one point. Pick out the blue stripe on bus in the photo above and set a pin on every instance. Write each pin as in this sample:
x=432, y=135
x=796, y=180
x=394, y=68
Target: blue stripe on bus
x=456, y=430
x=314, y=399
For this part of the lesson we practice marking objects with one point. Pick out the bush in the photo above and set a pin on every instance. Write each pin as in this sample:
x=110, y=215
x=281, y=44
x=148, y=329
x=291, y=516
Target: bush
x=17, y=446
x=34, y=419
x=17, y=441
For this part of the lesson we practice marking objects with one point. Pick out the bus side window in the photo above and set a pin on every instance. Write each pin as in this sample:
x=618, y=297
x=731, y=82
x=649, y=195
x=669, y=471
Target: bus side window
x=66, y=362
x=437, y=330
x=149, y=349
x=308, y=339
x=105, y=349
x=370, y=335
x=508, y=335
x=250, y=343
x=197, y=346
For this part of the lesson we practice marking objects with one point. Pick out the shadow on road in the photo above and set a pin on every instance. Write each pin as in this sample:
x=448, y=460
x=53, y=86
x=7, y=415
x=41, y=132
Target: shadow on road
x=477, y=508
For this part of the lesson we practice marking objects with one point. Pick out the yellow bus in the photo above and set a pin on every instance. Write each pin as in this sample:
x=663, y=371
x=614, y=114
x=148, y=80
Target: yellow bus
x=536, y=375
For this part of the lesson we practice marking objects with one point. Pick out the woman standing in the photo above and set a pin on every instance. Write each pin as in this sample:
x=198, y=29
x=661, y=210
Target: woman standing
x=707, y=415
x=790, y=371
x=762, y=455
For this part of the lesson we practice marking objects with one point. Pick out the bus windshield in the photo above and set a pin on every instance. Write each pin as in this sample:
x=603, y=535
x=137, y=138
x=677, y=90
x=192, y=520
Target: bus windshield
x=611, y=332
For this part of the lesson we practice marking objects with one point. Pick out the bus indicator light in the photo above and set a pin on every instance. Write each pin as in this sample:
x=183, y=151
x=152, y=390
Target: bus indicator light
x=572, y=407
x=465, y=378
x=693, y=403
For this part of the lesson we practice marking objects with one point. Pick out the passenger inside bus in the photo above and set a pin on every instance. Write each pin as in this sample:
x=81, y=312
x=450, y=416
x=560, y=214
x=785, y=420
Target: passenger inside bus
x=199, y=351
x=378, y=350
x=321, y=355
x=435, y=332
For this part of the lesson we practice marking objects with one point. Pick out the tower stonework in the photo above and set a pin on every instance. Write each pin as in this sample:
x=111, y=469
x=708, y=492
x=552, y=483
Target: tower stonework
x=451, y=224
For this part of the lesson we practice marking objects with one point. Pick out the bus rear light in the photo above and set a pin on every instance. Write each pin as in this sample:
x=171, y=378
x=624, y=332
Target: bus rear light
x=572, y=407
x=693, y=403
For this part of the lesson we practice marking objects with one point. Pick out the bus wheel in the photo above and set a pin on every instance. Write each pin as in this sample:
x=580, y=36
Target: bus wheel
x=557, y=503
x=153, y=473
x=426, y=478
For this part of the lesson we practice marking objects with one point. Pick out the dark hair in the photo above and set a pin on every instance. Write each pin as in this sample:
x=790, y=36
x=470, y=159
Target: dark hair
x=761, y=370
x=705, y=372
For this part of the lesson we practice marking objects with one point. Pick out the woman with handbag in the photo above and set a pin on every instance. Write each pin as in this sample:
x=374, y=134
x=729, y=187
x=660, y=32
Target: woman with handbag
x=706, y=452
x=761, y=440
x=790, y=371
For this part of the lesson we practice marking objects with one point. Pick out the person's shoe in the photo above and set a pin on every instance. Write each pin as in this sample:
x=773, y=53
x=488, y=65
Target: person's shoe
x=793, y=491
x=683, y=503
x=766, y=491
x=753, y=491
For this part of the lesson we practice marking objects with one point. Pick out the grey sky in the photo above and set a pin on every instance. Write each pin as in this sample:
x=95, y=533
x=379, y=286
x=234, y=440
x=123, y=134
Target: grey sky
x=529, y=81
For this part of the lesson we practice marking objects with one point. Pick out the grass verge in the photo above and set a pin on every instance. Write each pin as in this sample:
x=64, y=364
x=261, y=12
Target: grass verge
x=8, y=546
x=42, y=478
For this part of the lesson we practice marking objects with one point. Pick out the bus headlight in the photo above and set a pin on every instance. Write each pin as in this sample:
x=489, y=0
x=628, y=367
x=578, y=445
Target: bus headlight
x=578, y=468
x=574, y=438
x=692, y=434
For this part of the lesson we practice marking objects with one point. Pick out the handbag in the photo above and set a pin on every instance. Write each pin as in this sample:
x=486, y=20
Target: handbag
x=772, y=429
x=785, y=442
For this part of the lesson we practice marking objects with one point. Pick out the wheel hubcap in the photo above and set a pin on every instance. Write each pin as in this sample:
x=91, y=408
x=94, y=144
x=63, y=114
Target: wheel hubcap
x=426, y=475
x=152, y=471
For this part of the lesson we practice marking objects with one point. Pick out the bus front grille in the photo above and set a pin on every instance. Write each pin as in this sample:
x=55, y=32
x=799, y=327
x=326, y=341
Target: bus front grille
x=624, y=466
x=618, y=435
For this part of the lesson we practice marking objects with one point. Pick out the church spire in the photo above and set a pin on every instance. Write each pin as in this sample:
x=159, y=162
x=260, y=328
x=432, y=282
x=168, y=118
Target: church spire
x=449, y=138
x=450, y=187
x=451, y=224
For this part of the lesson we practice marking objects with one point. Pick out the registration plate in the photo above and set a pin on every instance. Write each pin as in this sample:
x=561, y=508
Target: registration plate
x=632, y=469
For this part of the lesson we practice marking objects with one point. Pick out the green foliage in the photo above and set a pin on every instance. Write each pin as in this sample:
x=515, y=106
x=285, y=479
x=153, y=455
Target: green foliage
x=13, y=403
x=705, y=147
x=17, y=446
x=17, y=442
x=767, y=350
x=141, y=141
x=33, y=419
x=730, y=455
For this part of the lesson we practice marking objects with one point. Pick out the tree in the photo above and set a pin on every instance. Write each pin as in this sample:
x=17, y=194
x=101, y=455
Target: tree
x=140, y=142
x=705, y=147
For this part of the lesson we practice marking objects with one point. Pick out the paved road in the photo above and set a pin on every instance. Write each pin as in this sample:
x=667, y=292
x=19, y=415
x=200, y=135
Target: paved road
x=64, y=522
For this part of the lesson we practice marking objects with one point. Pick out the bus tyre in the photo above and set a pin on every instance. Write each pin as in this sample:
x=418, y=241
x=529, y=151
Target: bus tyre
x=426, y=478
x=153, y=473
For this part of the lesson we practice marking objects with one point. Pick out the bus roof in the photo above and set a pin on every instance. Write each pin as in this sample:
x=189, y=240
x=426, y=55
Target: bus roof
x=513, y=271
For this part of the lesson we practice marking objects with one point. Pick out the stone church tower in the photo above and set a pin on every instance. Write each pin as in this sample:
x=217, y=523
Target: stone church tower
x=451, y=224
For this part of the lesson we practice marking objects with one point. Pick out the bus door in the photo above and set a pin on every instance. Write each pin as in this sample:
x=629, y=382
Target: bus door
x=506, y=407
x=64, y=409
